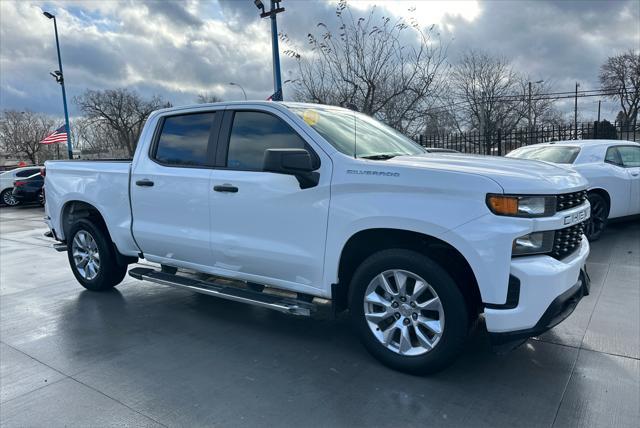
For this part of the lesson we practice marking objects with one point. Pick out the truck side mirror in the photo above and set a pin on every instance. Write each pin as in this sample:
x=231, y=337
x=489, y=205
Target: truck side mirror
x=296, y=162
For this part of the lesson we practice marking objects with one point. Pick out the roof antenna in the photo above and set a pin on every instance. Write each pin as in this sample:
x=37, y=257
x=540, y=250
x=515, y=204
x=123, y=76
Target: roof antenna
x=355, y=136
x=353, y=107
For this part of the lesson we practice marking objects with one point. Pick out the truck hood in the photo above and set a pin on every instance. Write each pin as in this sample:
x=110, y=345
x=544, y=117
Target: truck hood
x=513, y=175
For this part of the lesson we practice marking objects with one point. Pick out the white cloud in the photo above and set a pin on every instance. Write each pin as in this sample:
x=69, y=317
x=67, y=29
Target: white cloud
x=425, y=12
x=178, y=49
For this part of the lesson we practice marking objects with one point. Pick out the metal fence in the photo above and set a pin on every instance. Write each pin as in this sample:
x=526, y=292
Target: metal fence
x=499, y=143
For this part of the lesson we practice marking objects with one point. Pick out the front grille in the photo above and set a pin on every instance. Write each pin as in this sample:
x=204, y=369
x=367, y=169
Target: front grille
x=566, y=241
x=570, y=200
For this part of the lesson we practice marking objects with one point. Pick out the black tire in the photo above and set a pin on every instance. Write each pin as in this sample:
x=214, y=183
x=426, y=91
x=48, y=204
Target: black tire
x=6, y=193
x=109, y=273
x=41, y=200
x=455, y=329
x=599, y=216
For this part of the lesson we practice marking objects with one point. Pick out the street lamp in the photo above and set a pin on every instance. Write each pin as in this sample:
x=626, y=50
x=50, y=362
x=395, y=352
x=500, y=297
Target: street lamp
x=275, y=9
x=59, y=76
x=239, y=86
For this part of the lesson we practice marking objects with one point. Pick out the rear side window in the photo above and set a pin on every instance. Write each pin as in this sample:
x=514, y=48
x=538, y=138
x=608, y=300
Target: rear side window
x=253, y=133
x=184, y=139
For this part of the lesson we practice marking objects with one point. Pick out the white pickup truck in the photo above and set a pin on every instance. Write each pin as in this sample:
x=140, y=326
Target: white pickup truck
x=292, y=206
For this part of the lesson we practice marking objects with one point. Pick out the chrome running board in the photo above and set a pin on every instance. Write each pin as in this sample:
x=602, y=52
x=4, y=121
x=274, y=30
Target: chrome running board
x=270, y=301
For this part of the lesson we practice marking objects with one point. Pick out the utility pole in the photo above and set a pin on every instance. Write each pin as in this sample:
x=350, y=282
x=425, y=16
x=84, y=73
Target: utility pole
x=599, y=101
x=575, y=114
x=275, y=52
x=59, y=76
x=529, y=105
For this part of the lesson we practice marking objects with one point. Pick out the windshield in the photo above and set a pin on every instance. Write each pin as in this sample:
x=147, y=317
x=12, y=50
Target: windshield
x=356, y=134
x=555, y=154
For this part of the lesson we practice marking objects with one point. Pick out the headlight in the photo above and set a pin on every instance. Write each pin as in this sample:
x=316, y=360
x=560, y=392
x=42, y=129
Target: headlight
x=522, y=205
x=533, y=243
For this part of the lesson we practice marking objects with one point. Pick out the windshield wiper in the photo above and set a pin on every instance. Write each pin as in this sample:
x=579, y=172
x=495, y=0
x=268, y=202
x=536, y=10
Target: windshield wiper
x=379, y=157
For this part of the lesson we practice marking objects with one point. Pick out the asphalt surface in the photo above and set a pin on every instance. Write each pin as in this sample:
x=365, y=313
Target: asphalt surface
x=150, y=355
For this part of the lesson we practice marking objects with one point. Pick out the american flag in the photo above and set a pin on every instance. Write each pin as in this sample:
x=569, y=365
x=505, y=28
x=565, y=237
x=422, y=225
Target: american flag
x=57, y=136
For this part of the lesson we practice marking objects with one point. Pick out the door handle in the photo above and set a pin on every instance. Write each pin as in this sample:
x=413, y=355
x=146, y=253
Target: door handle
x=226, y=188
x=144, y=183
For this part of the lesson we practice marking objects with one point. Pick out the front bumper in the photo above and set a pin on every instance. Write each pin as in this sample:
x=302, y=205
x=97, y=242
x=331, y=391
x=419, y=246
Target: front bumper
x=542, y=280
x=559, y=309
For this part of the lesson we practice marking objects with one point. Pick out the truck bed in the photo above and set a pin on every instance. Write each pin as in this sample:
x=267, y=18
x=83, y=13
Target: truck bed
x=102, y=183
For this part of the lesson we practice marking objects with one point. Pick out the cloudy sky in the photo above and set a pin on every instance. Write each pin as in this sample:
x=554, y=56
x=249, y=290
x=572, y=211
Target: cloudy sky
x=181, y=48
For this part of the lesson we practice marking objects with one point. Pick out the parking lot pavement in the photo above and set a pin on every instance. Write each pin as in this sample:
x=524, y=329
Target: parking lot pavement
x=146, y=354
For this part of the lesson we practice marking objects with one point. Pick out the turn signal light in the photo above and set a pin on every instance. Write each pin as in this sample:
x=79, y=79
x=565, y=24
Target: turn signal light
x=503, y=205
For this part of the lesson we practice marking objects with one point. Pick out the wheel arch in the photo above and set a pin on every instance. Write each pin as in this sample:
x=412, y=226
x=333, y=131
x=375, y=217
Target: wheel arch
x=602, y=192
x=74, y=210
x=366, y=242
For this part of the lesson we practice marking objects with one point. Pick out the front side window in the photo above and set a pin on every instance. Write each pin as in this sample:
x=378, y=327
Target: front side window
x=630, y=156
x=184, y=139
x=557, y=154
x=253, y=133
x=613, y=156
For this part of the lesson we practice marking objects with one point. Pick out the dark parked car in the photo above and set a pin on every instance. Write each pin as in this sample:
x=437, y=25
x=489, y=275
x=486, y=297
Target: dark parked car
x=29, y=189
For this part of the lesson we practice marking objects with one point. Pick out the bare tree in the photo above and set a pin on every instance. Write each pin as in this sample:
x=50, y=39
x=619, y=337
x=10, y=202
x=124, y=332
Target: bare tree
x=620, y=75
x=122, y=111
x=95, y=139
x=384, y=68
x=485, y=95
x=22, y=132
x=206, y=98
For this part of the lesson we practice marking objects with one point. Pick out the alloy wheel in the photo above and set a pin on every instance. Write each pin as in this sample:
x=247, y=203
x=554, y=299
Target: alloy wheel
x=8, y=199
x=404, y=312
x=86, y=255
x=596, y=223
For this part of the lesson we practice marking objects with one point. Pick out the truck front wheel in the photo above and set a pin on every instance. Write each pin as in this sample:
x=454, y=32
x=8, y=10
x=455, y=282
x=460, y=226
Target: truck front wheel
x=408, y=311
x=92, y=257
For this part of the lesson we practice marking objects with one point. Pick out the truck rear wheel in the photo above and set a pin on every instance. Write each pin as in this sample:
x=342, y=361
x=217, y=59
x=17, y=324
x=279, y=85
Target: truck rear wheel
x=92, y=257
x=408, y=311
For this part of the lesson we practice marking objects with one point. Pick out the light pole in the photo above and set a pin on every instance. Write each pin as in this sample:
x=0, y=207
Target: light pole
x=239, y=86
x=59, y=76
x=275, y=9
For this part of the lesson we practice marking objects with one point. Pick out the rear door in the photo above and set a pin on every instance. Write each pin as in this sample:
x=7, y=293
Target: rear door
x=266, y=228
x=170, y=189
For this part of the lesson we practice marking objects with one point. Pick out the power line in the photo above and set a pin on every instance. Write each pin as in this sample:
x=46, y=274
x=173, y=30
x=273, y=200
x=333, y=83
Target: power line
x=550, y=96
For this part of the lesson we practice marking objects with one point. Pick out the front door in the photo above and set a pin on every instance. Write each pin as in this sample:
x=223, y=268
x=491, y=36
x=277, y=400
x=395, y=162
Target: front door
x=630, y=156
x=170, y=189
x=264, y=227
